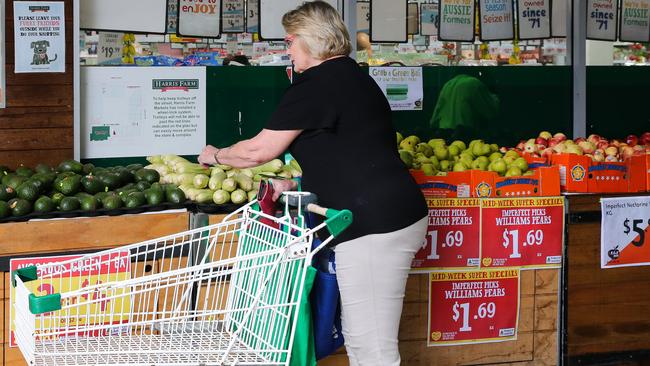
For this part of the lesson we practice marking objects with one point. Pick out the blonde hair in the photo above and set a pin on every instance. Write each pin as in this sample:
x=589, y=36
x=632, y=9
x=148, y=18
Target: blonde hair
x=321, y=27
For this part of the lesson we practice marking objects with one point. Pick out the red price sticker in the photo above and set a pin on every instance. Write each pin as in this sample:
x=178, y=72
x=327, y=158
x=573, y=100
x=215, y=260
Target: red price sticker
x=522, y=232
x=453, y=235
x=473, y=307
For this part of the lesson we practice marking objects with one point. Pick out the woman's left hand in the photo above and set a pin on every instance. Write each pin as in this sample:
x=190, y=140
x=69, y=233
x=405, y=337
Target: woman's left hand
x=207, y=155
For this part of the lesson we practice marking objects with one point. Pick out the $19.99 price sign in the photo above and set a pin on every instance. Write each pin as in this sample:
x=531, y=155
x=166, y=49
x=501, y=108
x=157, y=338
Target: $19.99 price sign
x=453, y=235
x=473, y=306
x=522, y=232
x=625, y=232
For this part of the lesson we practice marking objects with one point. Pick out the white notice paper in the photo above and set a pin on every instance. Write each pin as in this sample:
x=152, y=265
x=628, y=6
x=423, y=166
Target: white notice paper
x=635, y=21
x=534, y=19
x=141, y=111
x=402, y=86
x=197, y=18
x=456, y=20
x=39, y=33
x=625, y=232
x=497, y=20
x=602, y=19
x=429, y=19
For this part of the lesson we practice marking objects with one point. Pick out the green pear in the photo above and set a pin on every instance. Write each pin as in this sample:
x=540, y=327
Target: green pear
x=416, y=165
x=435, y=162
x=459, y=167
x=444, y=165
x=436, y=142
x=513, y=172
x=415, y=140
x=461, y=145
x=486, y=150
x=512, y=153
x=441, y=174
x=454, y=150
x=529, y=172
x=399, y=138
x=474, y=142
x=428, y=169
x=508, y=159
x=441, y=152
x=494, y=148
x=521, y=163
x=421, y=158
x=424, y=149
x=407, y=157
x=499, y=166
x=495, y=155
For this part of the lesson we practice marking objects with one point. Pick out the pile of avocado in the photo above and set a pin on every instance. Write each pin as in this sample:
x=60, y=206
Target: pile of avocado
x=73, y=186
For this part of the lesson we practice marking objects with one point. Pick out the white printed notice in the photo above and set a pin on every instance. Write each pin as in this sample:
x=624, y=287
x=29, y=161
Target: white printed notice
x=199, y=18
x=601, y=19
x=402, y=86
x=132, y=112
x=456, y=20
x=39, y=31
x=363, y=17
x=109, y=48
x=534, y=19
x=625, y=232
x=497, y=20
x=635, y=21
x=429, y=19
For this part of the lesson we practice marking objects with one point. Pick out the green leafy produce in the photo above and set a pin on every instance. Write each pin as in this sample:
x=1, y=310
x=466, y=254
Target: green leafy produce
x=238, y=196
x=229, y=185
x=200, y=181
x=221, y=197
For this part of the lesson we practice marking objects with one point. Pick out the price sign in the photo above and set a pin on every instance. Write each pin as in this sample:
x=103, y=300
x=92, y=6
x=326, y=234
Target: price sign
x=602, y=19
x=429, y=19
x=109, y=46
x=625, y=232
x=456, y=20
x=233, y=16
x=522, y=232
x=473, y=306
x=497, y=20
x=635, y=21
x=199, y=18
x=252, y=16
x=110, y=267
x=453, y=235
x=363, y=16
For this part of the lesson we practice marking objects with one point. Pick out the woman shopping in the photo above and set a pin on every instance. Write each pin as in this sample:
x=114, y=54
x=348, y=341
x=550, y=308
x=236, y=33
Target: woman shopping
x=336, y=122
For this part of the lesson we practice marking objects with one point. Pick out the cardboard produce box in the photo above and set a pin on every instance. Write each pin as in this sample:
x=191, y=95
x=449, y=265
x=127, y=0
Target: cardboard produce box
x=573, y=171
x=470, y=183
x=544, y=182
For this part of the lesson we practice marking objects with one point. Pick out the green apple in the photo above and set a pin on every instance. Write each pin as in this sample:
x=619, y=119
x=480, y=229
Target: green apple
x=441, y=152
x=495, y=155
x=461, y=145
x=521, y=163
x=513, y=172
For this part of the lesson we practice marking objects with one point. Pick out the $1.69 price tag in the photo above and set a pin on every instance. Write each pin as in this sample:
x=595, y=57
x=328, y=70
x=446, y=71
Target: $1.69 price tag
x=625, y=232
x=473, y=307
x=522, y=232
x=453, y=235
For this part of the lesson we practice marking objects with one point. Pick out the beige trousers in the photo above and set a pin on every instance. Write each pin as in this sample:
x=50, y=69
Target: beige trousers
x=372, y=272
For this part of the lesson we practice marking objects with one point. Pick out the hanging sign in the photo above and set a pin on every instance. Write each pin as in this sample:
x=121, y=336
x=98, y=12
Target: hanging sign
x=109, y=47
x=39, y=33
x=497, y=20
x=635, y=21
x=456, y=20
x=172, y=16
x=388, y=21
x=558, y=18
x=233, y=16
x=429, y=19
x=601, y=19
x=412, y=18
x=252, y=16
x=402, y=86
x=473, y=307
x=363, y=16
x=625, y=232
x=199, y=18
x=522, y=232
x=453, y=236
x=534, y=19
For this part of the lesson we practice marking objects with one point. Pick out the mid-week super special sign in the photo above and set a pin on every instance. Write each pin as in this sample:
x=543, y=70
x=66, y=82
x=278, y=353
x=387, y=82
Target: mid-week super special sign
x=522, y=232
x=453, y=234
x=115, y=266
x=473, y=306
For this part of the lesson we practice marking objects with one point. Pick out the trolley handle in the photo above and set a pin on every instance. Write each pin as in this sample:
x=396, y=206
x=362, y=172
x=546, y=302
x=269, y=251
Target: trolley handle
x=336, y=220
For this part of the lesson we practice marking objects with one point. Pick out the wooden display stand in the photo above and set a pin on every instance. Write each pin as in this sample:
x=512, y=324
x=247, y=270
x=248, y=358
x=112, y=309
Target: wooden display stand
x=42, y=238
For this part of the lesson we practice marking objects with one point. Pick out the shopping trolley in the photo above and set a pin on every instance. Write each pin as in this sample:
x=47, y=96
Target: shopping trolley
x=224, y=294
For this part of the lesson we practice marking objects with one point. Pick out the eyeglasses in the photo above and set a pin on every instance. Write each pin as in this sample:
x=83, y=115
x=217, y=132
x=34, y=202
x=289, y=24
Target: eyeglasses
x=288, y=40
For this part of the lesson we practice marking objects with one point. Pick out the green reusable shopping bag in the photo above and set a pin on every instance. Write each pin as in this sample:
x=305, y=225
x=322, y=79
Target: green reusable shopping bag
x=303, y=352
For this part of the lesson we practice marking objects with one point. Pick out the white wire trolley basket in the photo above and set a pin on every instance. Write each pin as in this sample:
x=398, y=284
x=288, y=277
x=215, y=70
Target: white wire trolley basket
x=223, y=294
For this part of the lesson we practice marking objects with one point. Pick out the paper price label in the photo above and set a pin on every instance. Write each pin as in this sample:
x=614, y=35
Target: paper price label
x=473, y=307
x=453, y=235
x=523, y=232
x=625, y=232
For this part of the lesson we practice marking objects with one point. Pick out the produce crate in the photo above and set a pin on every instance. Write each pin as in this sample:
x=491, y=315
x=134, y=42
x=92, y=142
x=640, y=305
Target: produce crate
x=544, y=182
x=471, y=183
x=639, y=173
x=608, y=177
x=535, y=162
x=573, y=172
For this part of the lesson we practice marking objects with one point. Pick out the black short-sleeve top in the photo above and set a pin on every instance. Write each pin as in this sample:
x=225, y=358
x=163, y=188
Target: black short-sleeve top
x=347, y=149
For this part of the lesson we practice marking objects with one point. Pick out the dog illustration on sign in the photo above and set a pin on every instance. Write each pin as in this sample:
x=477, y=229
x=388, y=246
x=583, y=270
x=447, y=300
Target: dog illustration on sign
x=40, y=53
